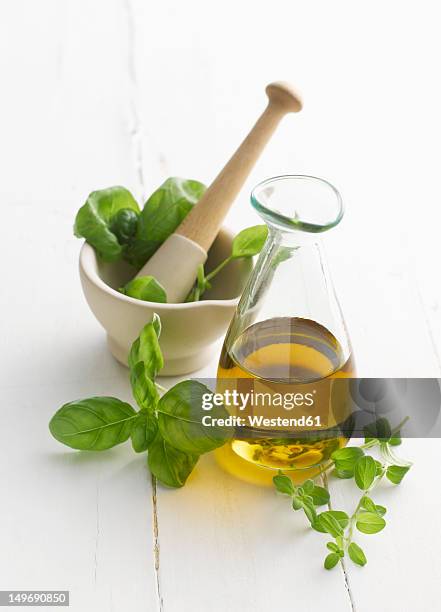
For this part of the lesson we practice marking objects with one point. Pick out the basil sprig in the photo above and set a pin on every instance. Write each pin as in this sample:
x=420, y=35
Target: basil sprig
x=112, y=222
x=246, y=244
x=169, y=428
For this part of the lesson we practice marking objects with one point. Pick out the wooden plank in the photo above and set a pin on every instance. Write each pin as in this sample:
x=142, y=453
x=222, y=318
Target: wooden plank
x=227, y=544
x=123, y=93
x=403, y=570
x=68, y=520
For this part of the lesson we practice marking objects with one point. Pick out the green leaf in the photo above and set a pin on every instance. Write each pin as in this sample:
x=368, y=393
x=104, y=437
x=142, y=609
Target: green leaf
x=309, y=509
x=145, y=288
x=144, y=430
x=327, y=523
x=249, y=241
x=181, y=417
x=329, y=516
x=146, y=349
x=124, y=224
x=94, y=220
x=96, y=423
x=171, y=466
x=396, y=473
x=156, y=322
x=378, y=468
x=356, y=554
x=283, y=254
x=331, y=560
x=297, y=502
x=143, y=388
x=396, y=439
x=332, y=546
x=364, y=472
x=380, y=430
x=370, y=522
x=367, y=504
x=320, y=496
x=344, y=473
x=308, y=486
x=165, y=209
x=283, y=484
x=346, y=458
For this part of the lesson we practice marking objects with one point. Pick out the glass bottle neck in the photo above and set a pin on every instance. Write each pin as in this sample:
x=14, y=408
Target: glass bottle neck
x=292, y=239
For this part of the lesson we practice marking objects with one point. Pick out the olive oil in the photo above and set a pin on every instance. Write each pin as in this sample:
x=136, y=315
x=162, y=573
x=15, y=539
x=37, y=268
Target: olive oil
x=293, y=358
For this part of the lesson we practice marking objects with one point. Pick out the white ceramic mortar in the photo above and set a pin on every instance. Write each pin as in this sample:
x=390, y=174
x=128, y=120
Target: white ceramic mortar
x=188, y=330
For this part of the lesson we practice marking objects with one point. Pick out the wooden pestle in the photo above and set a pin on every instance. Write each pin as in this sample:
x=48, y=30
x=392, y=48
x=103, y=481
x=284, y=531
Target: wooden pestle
x=175, y=263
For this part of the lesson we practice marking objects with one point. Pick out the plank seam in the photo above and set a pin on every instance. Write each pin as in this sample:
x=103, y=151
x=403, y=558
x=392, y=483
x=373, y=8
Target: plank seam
x=135, y=131
x=325, y=483
x=156, y=546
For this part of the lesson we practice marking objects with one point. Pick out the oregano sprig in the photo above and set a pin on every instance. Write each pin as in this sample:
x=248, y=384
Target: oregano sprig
x=366, y=471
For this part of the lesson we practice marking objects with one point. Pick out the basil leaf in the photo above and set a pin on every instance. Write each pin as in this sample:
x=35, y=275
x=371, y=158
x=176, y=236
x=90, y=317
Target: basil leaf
x=145, y=288
x=180, y=417
x=144, y=430
x=124, y=224
x=320, y=496
x=370, y=522
x=356, y=554
x=93, y=220
x=143, y=388
x=146, y=349
x=396, y=473
x=338, y=515
x=283, y=254
x=283, y=484
x=170, y=466
x=249, y=241
x=165, y=209
x=332, y=546
x=331, y=560
x=346, y=458
x=365, y=470
x=156, y=322
x=96, y=423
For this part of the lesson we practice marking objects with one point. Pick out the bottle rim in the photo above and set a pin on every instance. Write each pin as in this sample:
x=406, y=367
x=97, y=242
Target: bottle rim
x=331, y=211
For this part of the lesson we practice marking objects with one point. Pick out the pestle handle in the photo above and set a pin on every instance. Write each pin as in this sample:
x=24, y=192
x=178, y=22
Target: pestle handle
x=203, y=222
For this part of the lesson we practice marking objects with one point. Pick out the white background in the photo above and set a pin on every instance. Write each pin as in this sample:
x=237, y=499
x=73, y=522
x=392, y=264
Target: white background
x=104, y=92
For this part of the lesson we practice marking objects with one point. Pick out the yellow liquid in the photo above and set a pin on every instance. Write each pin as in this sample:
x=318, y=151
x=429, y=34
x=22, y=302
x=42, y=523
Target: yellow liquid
x=288, y=355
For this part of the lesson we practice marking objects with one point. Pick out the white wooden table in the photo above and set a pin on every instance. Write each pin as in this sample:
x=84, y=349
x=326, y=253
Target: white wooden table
x=129, y=92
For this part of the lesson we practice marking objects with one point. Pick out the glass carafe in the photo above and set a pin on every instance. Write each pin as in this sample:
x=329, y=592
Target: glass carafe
x=288, y=338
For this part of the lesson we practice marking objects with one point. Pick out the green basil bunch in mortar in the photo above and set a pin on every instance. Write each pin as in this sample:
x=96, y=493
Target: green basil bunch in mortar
x=169, y=427
x=112, y=222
